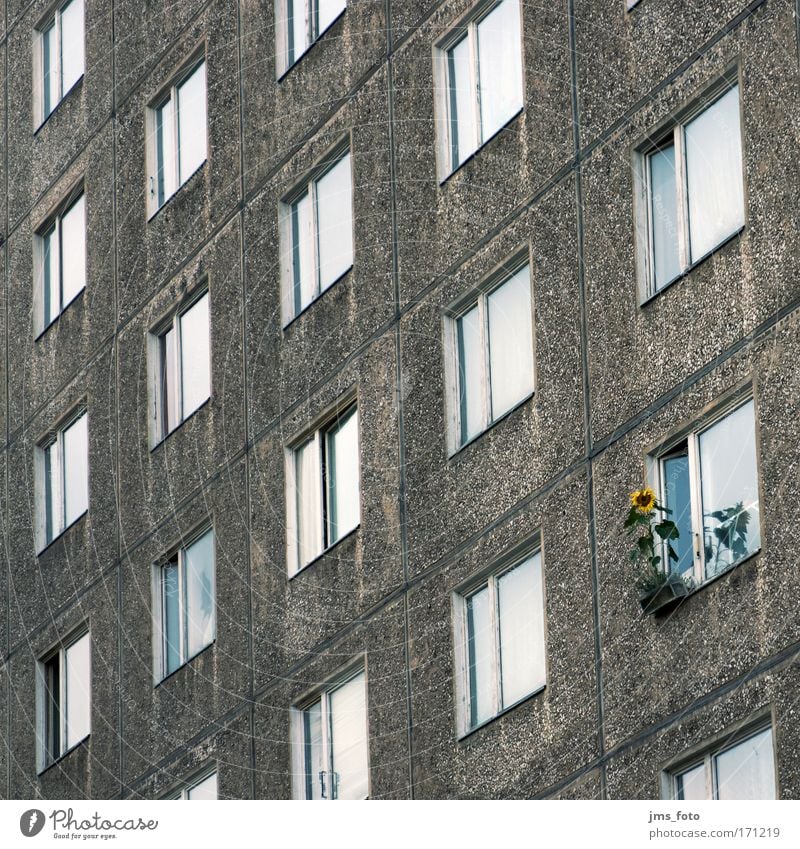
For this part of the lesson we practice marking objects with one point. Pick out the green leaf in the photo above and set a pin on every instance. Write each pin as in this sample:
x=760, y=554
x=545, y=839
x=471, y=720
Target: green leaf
x=667, y=530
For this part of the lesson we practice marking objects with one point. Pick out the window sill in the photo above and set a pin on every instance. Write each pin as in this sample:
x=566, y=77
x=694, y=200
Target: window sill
x=467, y=734
x=55, y=539
x=458, y=451
x=325, y=552
x=78, y=83
x=186, y=663
x=55, y=321
x=726, y=571
x=316, y=300
x=153, y=213
x=286, y=71
x=180, y=424
x=62, y=756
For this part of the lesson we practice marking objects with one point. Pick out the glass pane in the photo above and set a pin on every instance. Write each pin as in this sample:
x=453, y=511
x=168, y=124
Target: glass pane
x=664, y=225
x=50, y=287
x=206, y=789
x=165, y=151
x=73, y=250
x=729, y=482
x=72, y=58
x=302, y=254
x=510, y=343
x=172, y=617
x=297, y=28
x=522, y=634
x=692, y=783
x=335, y=222
x=312, y=751
x=52, y=684
x=461, y=98
x=480, y=648
x=499, y=67
x=49, y=72
x=309, y=520
x=78, y=690
x=76, y=470
x=52, y=493
x=192, y=129
x=341, y=453
x=470, y=374
x=677, y=498
x=747, y=771
x=714, y=174
x=348, y=728
x=169, y=378
x=200, y=593
x=195, y=356
x=327, y=12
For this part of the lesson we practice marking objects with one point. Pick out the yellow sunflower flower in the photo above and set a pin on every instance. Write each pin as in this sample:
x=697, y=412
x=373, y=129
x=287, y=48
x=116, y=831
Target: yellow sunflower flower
x=644, y=500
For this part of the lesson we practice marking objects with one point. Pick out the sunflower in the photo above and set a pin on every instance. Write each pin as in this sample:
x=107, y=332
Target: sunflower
x=644, y=500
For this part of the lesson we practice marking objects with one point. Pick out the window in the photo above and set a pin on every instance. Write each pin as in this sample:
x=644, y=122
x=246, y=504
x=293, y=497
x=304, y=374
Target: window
x=60, y=259
x=64, y=703
x=181, y=352
x=491, y=343
x=709, y=480
x=479, y=81
x=299, y=23
x=330, y=752
x=323, y=502
x=59, y=57
x=694, y=190
x=178, y=129
x=203, y=788
x=500, y=635
x=185, y=601
x=63, y=478
x=317, y=235
x=742, y=770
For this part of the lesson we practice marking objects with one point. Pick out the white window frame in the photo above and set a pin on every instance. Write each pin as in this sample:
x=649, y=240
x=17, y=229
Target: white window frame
x=467, y=27
x=159, y=427
x=323, y=694
x=691, y=437
x=182, y=793
x=43, y=759
x=52, y=19
x=160, y=671
x=282, y=62
x=460, y=596
x=309, y=186
x=170, y=93
x=674, y=134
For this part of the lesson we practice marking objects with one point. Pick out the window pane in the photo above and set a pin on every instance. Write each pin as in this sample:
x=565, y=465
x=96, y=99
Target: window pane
x=327, y=12
x=73, y=250
x=461, y=96
x=341, y=447
x=200, y=593
x=312, y=751
x=79, y=689
x=192, y=130
x=50, y=286
x=510, y=343
x=309, y=520
x=49, y=74
x=335, y=222
x=677, y=498
x=52, y=686
x=714, y=174
x=76, y=470
x=522, y=635
x=72, y=59
x=692, y=783
x=302, y=254
x=206, y=789
x=165, y=151
x=729, y=482
x=297, y=28
x=747, y=771
x=499, y=67
x=171, y=616
x=348, y=707
x=663, y=201
x=480, y=648
x=195, y=356
x=470, y=374
x=169, y=379
x=52, y=492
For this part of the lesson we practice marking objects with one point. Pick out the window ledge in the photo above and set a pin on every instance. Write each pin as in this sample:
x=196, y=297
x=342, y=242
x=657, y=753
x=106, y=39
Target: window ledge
x=77, y=84
x=151, y=216
x=61, y=757
x=286, y=71
x=458, y=451
x=537, y=692
x=55, y=539
x=316, y=300
x=55, y=321
x=185, y=664
x=325, y=552
x=161, y=440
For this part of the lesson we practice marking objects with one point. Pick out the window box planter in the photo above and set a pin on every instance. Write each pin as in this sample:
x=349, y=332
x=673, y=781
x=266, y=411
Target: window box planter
x=665, y=596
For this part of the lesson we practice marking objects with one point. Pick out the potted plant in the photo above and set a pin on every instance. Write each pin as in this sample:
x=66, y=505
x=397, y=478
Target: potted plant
x=659, y=588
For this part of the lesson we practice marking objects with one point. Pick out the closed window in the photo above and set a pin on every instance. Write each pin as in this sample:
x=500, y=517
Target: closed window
x=59, y=56
x=181, y=352
x=693, y=189
x=709, y=482
x=203, y=788
x=317, y=235
x=330, y=736
x=323, y=492
x=500, y=632
x=63, y=478
x=64, y=699
x=185, y=601
x=60, y=261
x=299, y=23
x=178, y=136
x=741, y=770
x=479, y=81
x=491, y=352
